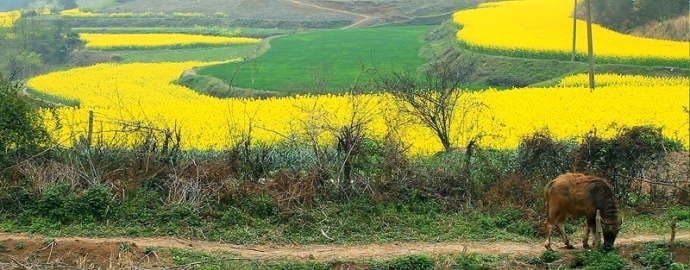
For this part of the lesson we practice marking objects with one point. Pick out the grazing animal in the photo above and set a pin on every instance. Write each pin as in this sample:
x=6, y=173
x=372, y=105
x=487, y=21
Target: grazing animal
x=579, y=195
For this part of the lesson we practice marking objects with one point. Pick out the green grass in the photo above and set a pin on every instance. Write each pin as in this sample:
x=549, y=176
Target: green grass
x=50, y=99
x=181, y=55
x=581, y=57
x=199, y=30
x=327, y=61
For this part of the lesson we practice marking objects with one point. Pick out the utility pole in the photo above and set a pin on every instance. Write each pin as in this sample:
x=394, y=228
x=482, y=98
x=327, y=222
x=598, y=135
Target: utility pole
x=590, y=48
x=574, y=55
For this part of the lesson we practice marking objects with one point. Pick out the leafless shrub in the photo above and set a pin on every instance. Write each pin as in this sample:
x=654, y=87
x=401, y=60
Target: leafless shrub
x=50, y=173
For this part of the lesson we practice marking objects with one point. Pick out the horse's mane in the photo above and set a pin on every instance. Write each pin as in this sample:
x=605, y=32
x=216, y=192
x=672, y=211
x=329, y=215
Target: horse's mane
x=602, y=197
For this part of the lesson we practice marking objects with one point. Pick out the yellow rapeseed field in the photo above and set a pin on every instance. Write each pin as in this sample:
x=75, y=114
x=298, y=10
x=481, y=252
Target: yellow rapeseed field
x=533, y=27
x=144, y=93
x=138, y=41
x=8, y=18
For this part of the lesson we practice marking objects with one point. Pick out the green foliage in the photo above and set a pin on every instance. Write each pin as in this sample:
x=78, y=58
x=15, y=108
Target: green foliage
x=409, y=262
x=203, y=260
x=623, y=157
x=21, y=126
x=3, y=246
x=51, y=43
x=509, y=219
x=539, y=156
x=184, y=256
x=60, y=204
x=549, y=256
x=261, y=206
x=324, y=61
x=680, y=213
x=469, y=261
x=298, y=266
x=601, y=260
x=656, y=255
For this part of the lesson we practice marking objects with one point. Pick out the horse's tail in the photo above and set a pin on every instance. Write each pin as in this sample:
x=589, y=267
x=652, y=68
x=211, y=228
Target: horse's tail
x=547, y=190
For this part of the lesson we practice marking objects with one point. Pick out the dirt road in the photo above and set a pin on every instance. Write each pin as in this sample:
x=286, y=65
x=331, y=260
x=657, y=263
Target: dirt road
x=363, y=18
x=94, y=246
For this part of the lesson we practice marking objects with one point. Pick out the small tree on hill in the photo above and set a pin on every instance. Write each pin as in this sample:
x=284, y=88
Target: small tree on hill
x=434, y=96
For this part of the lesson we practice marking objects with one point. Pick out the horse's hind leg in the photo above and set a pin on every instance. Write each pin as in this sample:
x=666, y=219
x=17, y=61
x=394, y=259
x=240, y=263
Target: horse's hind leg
x=561, y=229
x=548, y=228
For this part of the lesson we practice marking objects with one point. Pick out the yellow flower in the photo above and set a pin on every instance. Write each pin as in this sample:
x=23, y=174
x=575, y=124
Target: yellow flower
x=127, y=41
x=8, y=18
x=126, y=94
x=533, y=27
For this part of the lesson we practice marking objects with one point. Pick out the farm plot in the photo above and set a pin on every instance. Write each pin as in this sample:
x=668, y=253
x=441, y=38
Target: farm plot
x=326, y=61
x=541, y=29
x=158, y=41
x=143, y=94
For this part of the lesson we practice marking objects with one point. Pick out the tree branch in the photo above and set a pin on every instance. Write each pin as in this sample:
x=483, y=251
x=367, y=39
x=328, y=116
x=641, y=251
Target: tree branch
x=653, y=182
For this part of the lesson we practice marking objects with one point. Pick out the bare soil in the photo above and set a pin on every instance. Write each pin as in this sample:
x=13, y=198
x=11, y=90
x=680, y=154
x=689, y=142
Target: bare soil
x=21, y=251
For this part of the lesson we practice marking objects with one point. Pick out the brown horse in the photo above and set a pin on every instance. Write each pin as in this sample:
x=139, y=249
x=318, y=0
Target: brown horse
x=579, y=195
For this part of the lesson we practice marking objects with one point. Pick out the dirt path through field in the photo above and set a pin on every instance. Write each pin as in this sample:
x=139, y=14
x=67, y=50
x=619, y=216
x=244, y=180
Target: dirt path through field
x=362, y=17
x=318, y=252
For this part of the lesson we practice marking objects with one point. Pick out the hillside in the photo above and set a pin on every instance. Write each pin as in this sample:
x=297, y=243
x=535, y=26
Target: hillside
x=335, y=11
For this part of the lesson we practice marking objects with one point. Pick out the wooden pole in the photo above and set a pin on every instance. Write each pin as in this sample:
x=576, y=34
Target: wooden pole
x=573, y=57
x=674, y=224
x=90, y=133
x=590, y=47
x=597, y=231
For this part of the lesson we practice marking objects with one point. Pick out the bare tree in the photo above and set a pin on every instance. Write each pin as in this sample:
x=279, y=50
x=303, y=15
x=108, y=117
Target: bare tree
x=433, y=96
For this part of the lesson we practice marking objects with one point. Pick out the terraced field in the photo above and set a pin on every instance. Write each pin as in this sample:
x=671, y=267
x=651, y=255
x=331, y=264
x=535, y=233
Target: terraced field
x=326, y=61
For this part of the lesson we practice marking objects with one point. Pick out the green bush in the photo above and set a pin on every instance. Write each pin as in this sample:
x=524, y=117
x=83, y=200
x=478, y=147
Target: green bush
x=21, y=126
x=59, y=203
x=601, y=260
x=261, y=206
x=232, y=216
x=409, y=262
x=656, y=255
x=680, y=213
x=624, y=157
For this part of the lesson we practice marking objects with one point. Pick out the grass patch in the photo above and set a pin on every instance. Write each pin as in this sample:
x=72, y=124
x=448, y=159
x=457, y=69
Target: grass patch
x=50, y=99
x=183, y=55
x=203, y=260
x=211, y=31
x=211, y=86
x=259, y=220
x=326, y=61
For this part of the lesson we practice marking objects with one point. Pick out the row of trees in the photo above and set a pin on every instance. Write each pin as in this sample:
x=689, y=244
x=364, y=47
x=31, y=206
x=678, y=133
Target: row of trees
x=33, y=44
x=54, y=5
